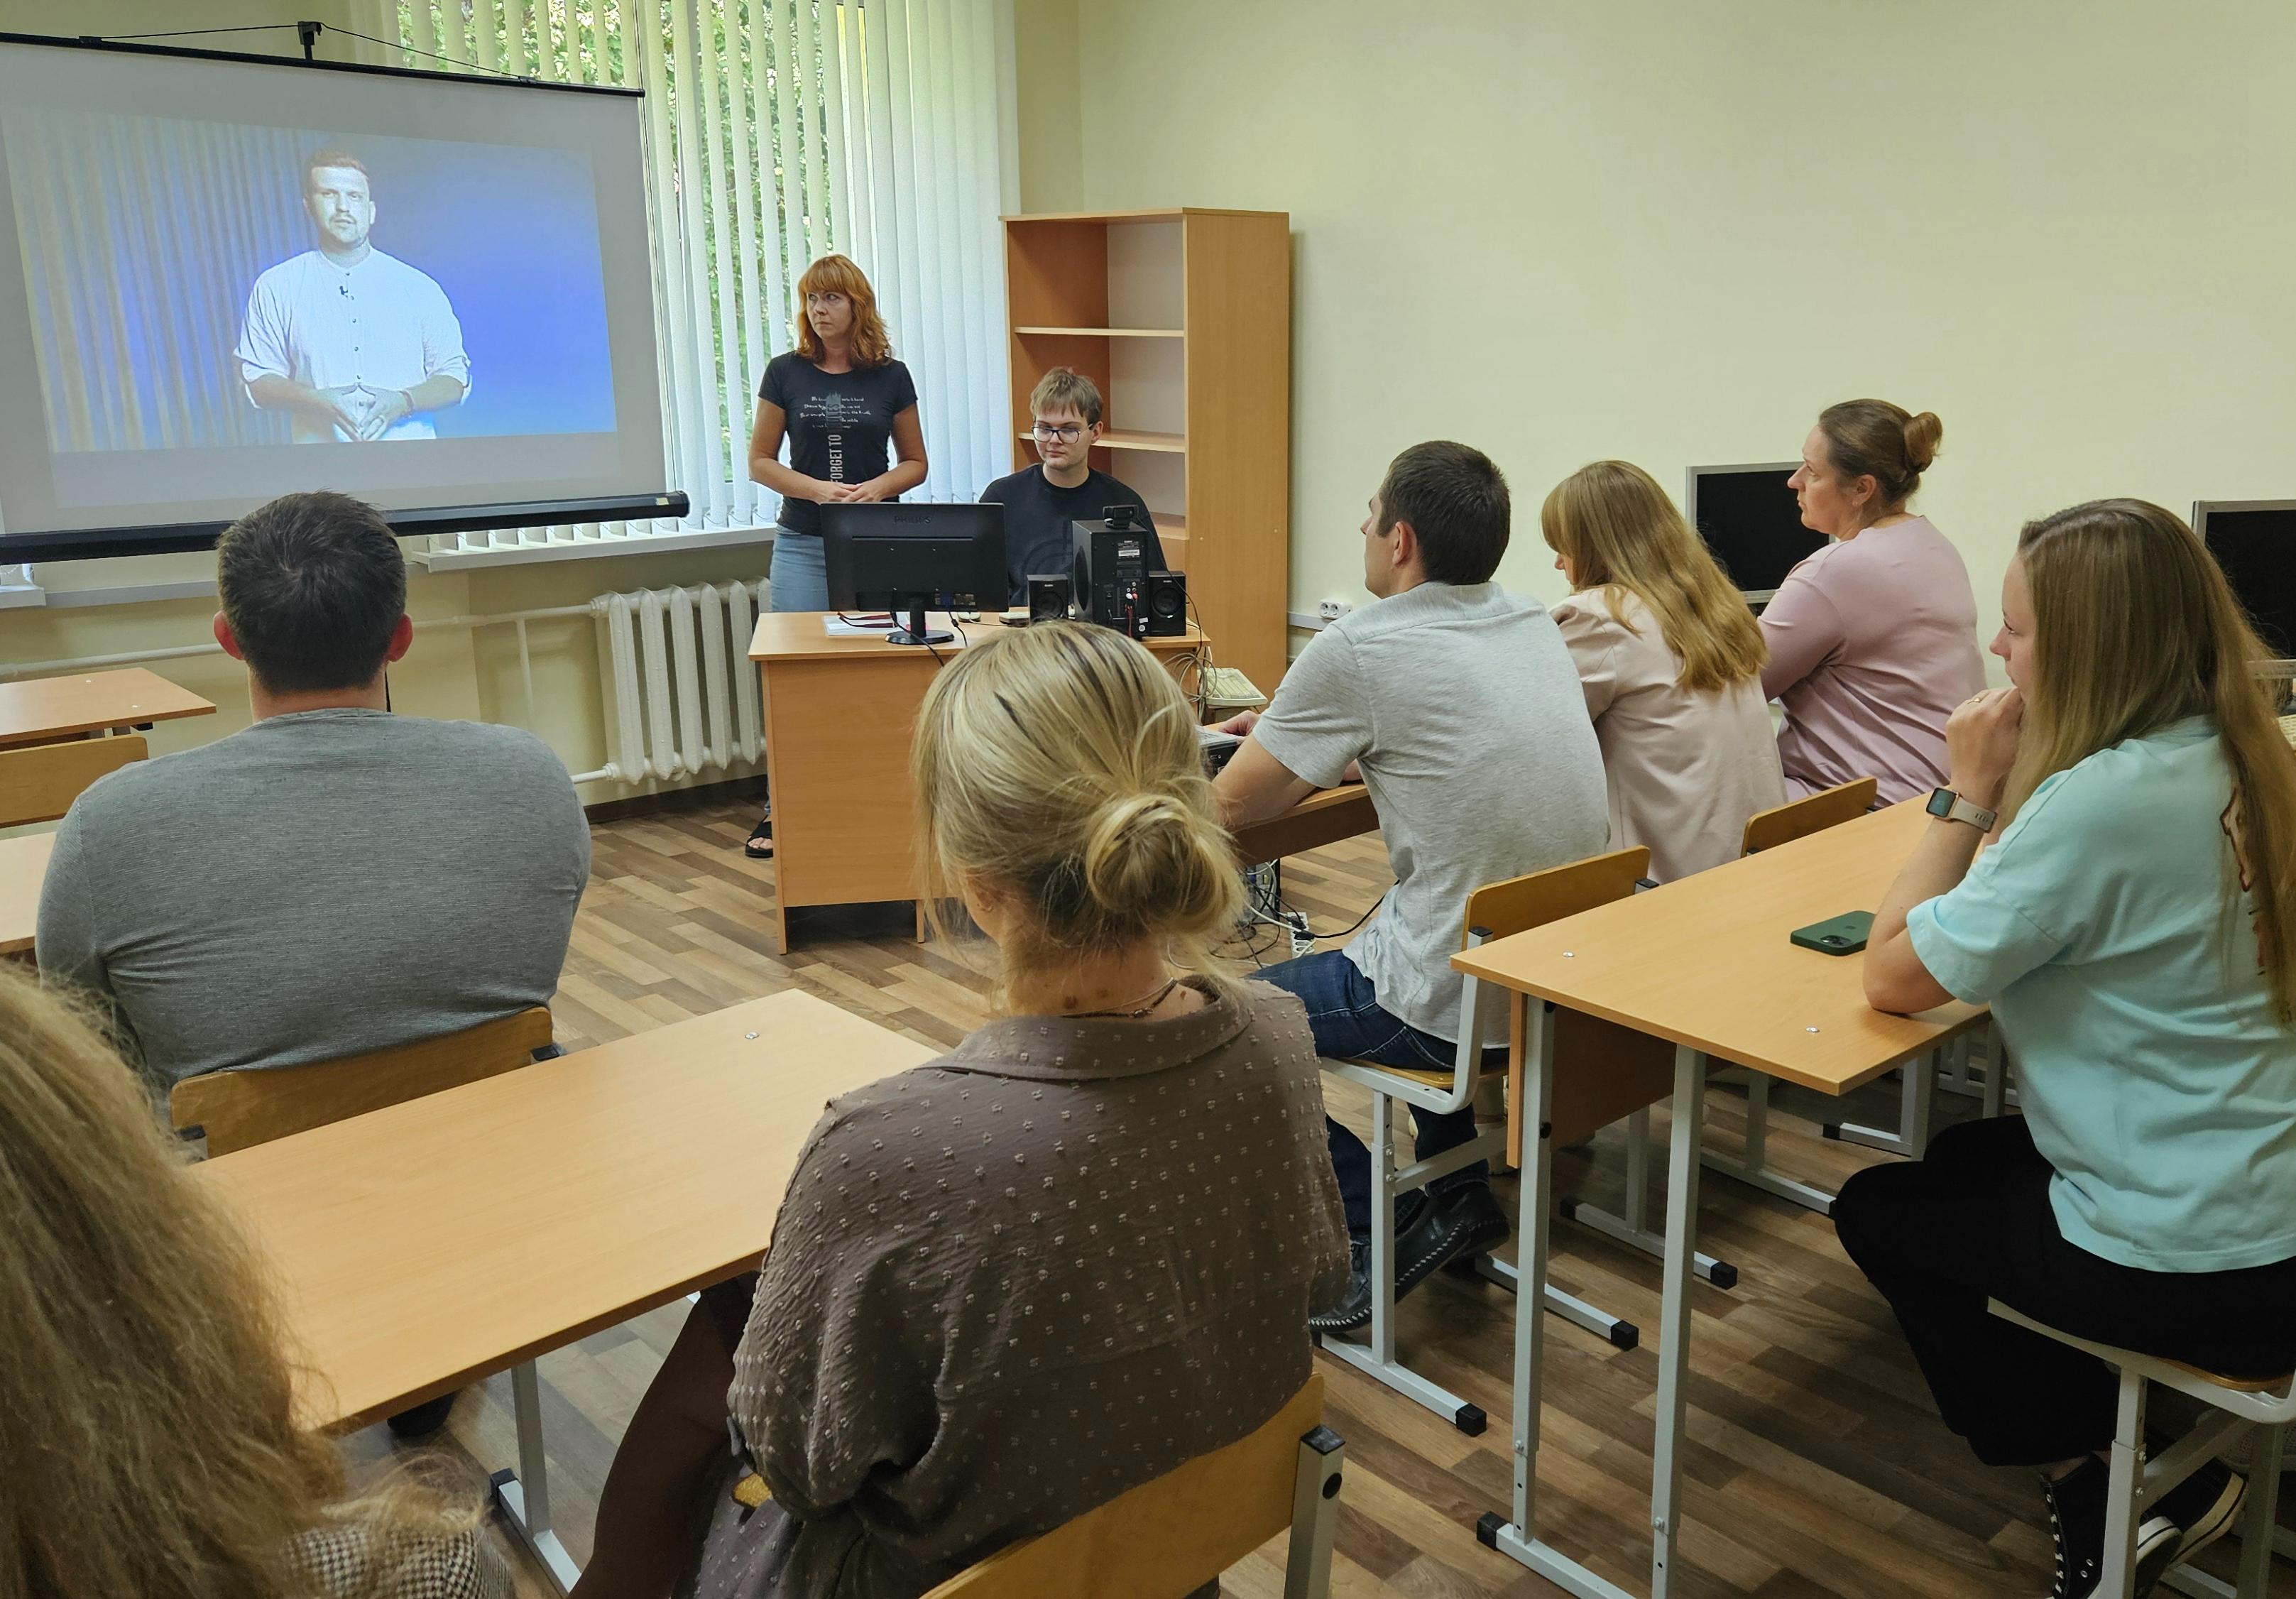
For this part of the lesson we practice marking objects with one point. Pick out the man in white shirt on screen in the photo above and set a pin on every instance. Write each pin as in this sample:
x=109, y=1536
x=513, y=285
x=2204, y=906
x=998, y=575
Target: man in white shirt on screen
x=353, y=344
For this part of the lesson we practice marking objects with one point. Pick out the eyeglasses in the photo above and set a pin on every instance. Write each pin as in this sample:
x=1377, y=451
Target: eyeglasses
x=1067, y=432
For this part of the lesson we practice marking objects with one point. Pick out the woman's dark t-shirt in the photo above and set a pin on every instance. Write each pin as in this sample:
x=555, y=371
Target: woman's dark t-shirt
x=839, y=424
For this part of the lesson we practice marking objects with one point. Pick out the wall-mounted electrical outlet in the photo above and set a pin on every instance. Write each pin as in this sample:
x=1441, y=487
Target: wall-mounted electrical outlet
x=1332, y=610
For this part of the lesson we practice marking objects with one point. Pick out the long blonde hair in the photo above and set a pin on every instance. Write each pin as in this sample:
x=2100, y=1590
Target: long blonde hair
x=2135, y=627
x=146, y=1412
x=1059, y=764
x=1618, y=531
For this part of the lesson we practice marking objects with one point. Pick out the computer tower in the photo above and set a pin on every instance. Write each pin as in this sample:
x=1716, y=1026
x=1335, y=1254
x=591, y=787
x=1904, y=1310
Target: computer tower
x=1112, y=570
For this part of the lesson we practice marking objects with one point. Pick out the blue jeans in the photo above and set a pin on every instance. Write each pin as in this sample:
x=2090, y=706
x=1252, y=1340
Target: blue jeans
x=798, y=579
x=1344, y=1015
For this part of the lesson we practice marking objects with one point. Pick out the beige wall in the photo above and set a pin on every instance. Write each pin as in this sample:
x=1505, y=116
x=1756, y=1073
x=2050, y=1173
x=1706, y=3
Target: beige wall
x=451, y=671
x=1048, y=116
x=1673, y=233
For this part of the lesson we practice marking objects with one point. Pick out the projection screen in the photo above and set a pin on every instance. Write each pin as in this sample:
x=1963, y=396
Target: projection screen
x=224, y=278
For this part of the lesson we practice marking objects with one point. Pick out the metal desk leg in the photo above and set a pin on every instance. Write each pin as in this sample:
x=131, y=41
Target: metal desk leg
x=1516, y=1538
x=1632, y=1228
x=1912, y=1137
x=1674, y=1314
x=524, y=1495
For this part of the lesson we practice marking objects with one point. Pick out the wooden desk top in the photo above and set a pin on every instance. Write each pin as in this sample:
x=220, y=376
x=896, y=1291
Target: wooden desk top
x=798, y=634
x=425, y=1246
x=1706, y=960
x=1323, y=817
x=54, y=708
x=23, y=866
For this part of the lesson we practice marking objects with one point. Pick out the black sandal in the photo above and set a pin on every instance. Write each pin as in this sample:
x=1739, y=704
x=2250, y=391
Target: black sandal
x=760, y=844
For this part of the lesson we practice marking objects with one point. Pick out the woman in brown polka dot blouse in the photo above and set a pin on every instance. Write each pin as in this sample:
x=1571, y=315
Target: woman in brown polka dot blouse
x=1077, y=1250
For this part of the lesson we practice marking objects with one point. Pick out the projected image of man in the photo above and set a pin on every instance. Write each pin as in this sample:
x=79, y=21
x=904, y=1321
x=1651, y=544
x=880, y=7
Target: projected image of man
x=353, y=344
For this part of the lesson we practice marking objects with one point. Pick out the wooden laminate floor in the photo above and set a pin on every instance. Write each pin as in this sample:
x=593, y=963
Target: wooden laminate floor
x=1817, y=1465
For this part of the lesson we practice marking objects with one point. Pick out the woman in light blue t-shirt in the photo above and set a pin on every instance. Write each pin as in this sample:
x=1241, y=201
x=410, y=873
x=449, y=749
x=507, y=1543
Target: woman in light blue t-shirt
x=2131, y=926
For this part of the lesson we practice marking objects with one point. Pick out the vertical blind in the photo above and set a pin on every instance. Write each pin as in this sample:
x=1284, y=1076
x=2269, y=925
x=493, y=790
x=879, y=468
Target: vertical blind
x=777, y=131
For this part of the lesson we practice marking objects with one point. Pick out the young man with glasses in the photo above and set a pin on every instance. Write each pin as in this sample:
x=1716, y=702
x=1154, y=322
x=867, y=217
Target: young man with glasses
x=1040, y=501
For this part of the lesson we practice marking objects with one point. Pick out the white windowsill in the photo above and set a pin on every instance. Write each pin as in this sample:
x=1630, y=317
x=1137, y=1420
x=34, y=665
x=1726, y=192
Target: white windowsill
x=584, y=549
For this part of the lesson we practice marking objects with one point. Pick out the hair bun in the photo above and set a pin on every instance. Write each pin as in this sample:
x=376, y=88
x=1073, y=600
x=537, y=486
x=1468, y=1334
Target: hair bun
x=1923, y=435
x=1153, y=858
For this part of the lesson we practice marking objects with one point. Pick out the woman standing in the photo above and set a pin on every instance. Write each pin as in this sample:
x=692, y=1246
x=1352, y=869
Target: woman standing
x=849, y=413
x=1872, y=639
x=1671, y=662
x=2134, y=929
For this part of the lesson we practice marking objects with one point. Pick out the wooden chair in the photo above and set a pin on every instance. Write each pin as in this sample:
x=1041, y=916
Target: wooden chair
x=1171, y=1536
x=1812, y=812
x=39, y=781
x=239, y=1109
x=1493, y=911
x=2268, y=1405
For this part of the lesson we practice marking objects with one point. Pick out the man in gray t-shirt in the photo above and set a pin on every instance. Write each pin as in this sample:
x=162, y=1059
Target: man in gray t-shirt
x=1459, y=705
x=334, y=879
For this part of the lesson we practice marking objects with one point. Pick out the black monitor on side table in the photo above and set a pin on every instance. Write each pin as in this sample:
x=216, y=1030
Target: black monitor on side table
x=1749, y=517
x=915, y=558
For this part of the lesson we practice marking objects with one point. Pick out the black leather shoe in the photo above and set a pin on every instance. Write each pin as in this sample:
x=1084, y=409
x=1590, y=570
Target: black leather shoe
x=1458, y=1226
x=1353, y=1309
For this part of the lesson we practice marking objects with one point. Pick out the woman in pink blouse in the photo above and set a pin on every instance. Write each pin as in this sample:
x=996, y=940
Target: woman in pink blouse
x=1671, y=662
x=1872, y=639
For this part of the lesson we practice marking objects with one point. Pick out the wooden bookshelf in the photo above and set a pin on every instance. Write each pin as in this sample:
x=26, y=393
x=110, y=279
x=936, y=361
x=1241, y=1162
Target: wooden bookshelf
x=1183, y=318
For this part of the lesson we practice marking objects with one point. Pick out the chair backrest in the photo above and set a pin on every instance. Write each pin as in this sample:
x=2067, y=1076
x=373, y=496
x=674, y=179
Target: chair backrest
x=1813, y=813
x=240, y=1108
x=1171, y=1535
x=1499, y=910
x=39, y=781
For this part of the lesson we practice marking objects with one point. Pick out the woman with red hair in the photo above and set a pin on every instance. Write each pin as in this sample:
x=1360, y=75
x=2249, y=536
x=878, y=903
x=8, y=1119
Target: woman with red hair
x=848, y=411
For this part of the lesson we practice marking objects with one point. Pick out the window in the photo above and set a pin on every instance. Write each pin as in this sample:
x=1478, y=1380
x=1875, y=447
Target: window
x=777, y=131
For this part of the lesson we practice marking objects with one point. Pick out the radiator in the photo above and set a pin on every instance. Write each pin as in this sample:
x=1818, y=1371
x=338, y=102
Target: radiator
x=681, y=693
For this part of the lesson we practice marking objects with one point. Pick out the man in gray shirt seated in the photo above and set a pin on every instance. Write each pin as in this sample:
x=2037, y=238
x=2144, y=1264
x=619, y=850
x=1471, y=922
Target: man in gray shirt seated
x=1459, y=705
x=333, y=879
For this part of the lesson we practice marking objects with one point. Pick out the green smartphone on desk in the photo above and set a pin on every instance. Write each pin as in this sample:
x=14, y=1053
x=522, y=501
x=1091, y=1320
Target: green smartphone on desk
x=1843, y=935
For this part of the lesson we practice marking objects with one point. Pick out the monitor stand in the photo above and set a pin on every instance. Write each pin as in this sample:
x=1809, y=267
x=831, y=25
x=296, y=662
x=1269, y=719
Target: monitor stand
x=914, y=633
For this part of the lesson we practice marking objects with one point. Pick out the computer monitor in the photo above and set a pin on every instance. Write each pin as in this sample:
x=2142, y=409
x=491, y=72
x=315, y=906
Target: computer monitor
x=2254, y=541
x=1748, y=517
x=914, y=558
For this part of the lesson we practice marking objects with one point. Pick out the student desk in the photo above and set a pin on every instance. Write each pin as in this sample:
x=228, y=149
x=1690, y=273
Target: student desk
x=1323, y=817
x=839, y=710
x=43, y=710
x=425, y=1246
x=23, y=866
x=1703, y=962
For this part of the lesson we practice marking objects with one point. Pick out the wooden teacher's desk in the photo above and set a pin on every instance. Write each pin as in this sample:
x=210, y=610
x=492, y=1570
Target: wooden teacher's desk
x=839, y=709
x=41, y=709
x=422, y=1247
x=1706, y=964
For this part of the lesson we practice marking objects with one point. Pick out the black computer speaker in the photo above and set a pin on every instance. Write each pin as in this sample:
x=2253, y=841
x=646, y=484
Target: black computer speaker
x=1048, y=597
x=1168, y=604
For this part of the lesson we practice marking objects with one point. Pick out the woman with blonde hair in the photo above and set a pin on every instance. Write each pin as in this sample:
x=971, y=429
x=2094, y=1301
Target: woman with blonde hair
x=840, y=402
x=2134, y=928
x=1872, y=640
x=1671, y=662
x=1105, y=1215
x=146, y=1410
